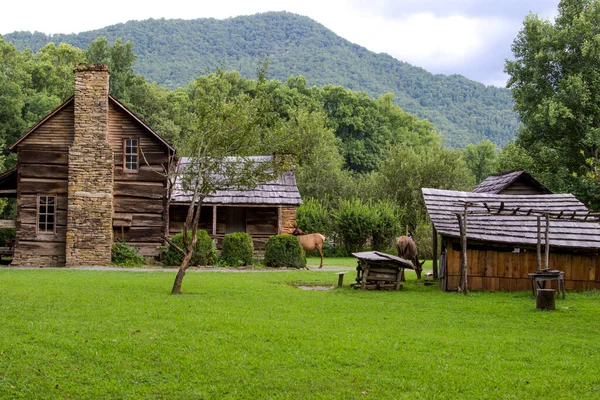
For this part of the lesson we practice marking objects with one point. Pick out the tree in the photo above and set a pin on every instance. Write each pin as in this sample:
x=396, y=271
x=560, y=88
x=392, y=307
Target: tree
x=480, y=158
x=408, y=169
x=555, y=81
x=220, y=138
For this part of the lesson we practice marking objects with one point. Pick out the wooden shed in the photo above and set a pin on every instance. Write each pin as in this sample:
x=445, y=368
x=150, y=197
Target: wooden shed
x=266, y=210
x=514, y=182
x=502, y=236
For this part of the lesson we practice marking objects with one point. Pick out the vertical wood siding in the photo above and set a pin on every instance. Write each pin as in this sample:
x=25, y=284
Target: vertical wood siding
x=495, y=270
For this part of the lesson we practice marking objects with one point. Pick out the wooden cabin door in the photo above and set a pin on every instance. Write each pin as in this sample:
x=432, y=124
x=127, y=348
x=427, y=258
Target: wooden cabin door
x=235, y=219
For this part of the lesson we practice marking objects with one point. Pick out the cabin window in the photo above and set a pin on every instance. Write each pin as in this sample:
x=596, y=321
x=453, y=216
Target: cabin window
x=46, y=214
x=130, y=155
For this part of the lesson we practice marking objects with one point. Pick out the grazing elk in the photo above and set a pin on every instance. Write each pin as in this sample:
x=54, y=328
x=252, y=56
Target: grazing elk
x=407, y=249
x=310, y=241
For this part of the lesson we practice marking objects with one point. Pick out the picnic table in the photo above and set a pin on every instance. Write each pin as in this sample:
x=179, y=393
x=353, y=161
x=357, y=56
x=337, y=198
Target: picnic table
x=377, y=270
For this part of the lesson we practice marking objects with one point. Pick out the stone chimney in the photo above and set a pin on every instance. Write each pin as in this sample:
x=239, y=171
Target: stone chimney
x=90, y=189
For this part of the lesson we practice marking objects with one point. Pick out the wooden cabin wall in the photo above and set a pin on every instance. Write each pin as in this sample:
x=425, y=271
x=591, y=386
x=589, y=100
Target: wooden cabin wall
x=521, y=188
x=506, y=271
x=138, y=197
x=261, y=222
x=42, y=159
x=177, y=214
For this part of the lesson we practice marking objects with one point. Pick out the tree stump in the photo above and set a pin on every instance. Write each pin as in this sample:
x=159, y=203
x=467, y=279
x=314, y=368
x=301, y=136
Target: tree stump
x=545, y=299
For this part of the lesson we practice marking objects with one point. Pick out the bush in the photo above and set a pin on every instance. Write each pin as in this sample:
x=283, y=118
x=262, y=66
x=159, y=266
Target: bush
x=386, y=225
x=238, y=249
x=126, y=256
x=284, y=251
x=204, y=253
x=7, y=237
x=313, y=216
x=423, y=236
x=354, y=223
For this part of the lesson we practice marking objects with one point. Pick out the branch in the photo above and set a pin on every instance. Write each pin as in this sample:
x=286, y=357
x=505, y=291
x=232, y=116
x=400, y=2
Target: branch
x=171, y=243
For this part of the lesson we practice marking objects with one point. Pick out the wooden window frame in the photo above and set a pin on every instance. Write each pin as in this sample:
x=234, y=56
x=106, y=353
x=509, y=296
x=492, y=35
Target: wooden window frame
x=136, y=154
x=38, y=214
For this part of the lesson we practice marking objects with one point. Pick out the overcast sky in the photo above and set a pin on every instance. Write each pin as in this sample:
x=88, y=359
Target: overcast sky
x=467, y=37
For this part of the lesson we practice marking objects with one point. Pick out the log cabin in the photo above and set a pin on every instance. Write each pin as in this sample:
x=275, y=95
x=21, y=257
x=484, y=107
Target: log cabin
x=514, y=182
x=86, y=175
x=502, y=239
x=263, y=211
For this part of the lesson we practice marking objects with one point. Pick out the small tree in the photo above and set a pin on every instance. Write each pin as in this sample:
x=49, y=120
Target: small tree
x=224, y=129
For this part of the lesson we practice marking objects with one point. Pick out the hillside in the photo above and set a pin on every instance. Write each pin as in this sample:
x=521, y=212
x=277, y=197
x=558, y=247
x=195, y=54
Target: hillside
x=173, y=52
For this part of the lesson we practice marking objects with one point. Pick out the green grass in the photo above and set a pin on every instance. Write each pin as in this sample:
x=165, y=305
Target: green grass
x=254, y=335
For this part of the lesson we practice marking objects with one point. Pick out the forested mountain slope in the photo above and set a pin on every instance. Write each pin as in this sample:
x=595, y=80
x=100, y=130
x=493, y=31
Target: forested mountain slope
x=173, y=52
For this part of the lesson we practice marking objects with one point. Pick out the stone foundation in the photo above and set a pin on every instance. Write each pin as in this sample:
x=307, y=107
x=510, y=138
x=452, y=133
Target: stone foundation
x=31, y=260
x=90, y=187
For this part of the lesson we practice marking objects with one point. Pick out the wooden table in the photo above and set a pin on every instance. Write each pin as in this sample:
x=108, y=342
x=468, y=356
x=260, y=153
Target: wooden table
x=378, y=270
x=539, y=279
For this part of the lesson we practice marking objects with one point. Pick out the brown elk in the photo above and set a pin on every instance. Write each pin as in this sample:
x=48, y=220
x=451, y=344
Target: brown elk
x=407, y=249
x=310, y=241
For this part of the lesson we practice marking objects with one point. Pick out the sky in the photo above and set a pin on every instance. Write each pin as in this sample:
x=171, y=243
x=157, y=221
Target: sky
x=466, y=37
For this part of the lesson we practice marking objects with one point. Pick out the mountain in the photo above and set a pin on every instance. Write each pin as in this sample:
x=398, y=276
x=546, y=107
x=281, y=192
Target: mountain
x=173, y=52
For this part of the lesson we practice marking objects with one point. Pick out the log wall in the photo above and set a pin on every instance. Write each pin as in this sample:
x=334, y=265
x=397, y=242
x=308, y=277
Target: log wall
x=43, y=169
x=138, y=197
x=494, y=270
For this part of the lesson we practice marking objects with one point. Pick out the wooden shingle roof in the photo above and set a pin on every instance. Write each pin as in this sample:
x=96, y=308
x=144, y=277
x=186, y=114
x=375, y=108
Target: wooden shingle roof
x=282, y=191
x=505, y=218
x=500, y=182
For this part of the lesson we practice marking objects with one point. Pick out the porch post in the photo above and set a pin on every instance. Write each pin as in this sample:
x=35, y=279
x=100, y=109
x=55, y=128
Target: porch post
x=214, y=222
x=279, y=220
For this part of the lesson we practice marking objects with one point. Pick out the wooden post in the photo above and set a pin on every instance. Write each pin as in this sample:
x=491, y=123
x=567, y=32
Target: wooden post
x=462, y=224
x=539, y=243
x=435, y=252
x=464, y=251
x=546, y=266
x=279, y=220
x=214, y=222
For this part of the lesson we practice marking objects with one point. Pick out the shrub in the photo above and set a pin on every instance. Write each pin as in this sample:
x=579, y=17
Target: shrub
x=126, y=256
x=7, y=236
x=313, y=216
x=423, y=239
x=237, y=250
x=354, y=223
x=284, y=251
x=204, y=253
x=386, y=225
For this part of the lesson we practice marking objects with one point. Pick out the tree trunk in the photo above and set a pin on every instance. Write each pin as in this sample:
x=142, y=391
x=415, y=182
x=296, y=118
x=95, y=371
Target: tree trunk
x=181, y=273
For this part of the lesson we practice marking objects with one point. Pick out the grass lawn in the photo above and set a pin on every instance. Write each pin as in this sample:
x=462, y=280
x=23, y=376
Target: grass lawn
x=254, y=335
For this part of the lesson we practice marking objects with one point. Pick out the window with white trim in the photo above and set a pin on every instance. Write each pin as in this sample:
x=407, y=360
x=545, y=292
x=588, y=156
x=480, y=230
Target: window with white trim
x=46, y=214
x=130, y=155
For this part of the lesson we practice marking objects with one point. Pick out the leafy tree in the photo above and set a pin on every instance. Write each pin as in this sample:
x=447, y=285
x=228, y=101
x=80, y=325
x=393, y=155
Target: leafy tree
x=408, y=169
x=221, y=127
x=555, y=81
x=481, y=159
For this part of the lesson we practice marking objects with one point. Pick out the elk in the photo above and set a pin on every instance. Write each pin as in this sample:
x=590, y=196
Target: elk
x=407, y=249
x=310, y=241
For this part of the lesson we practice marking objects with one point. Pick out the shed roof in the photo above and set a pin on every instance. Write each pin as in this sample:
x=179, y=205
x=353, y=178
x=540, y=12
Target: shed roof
x=506, y=221
x=498, y=182
x=281, y=191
